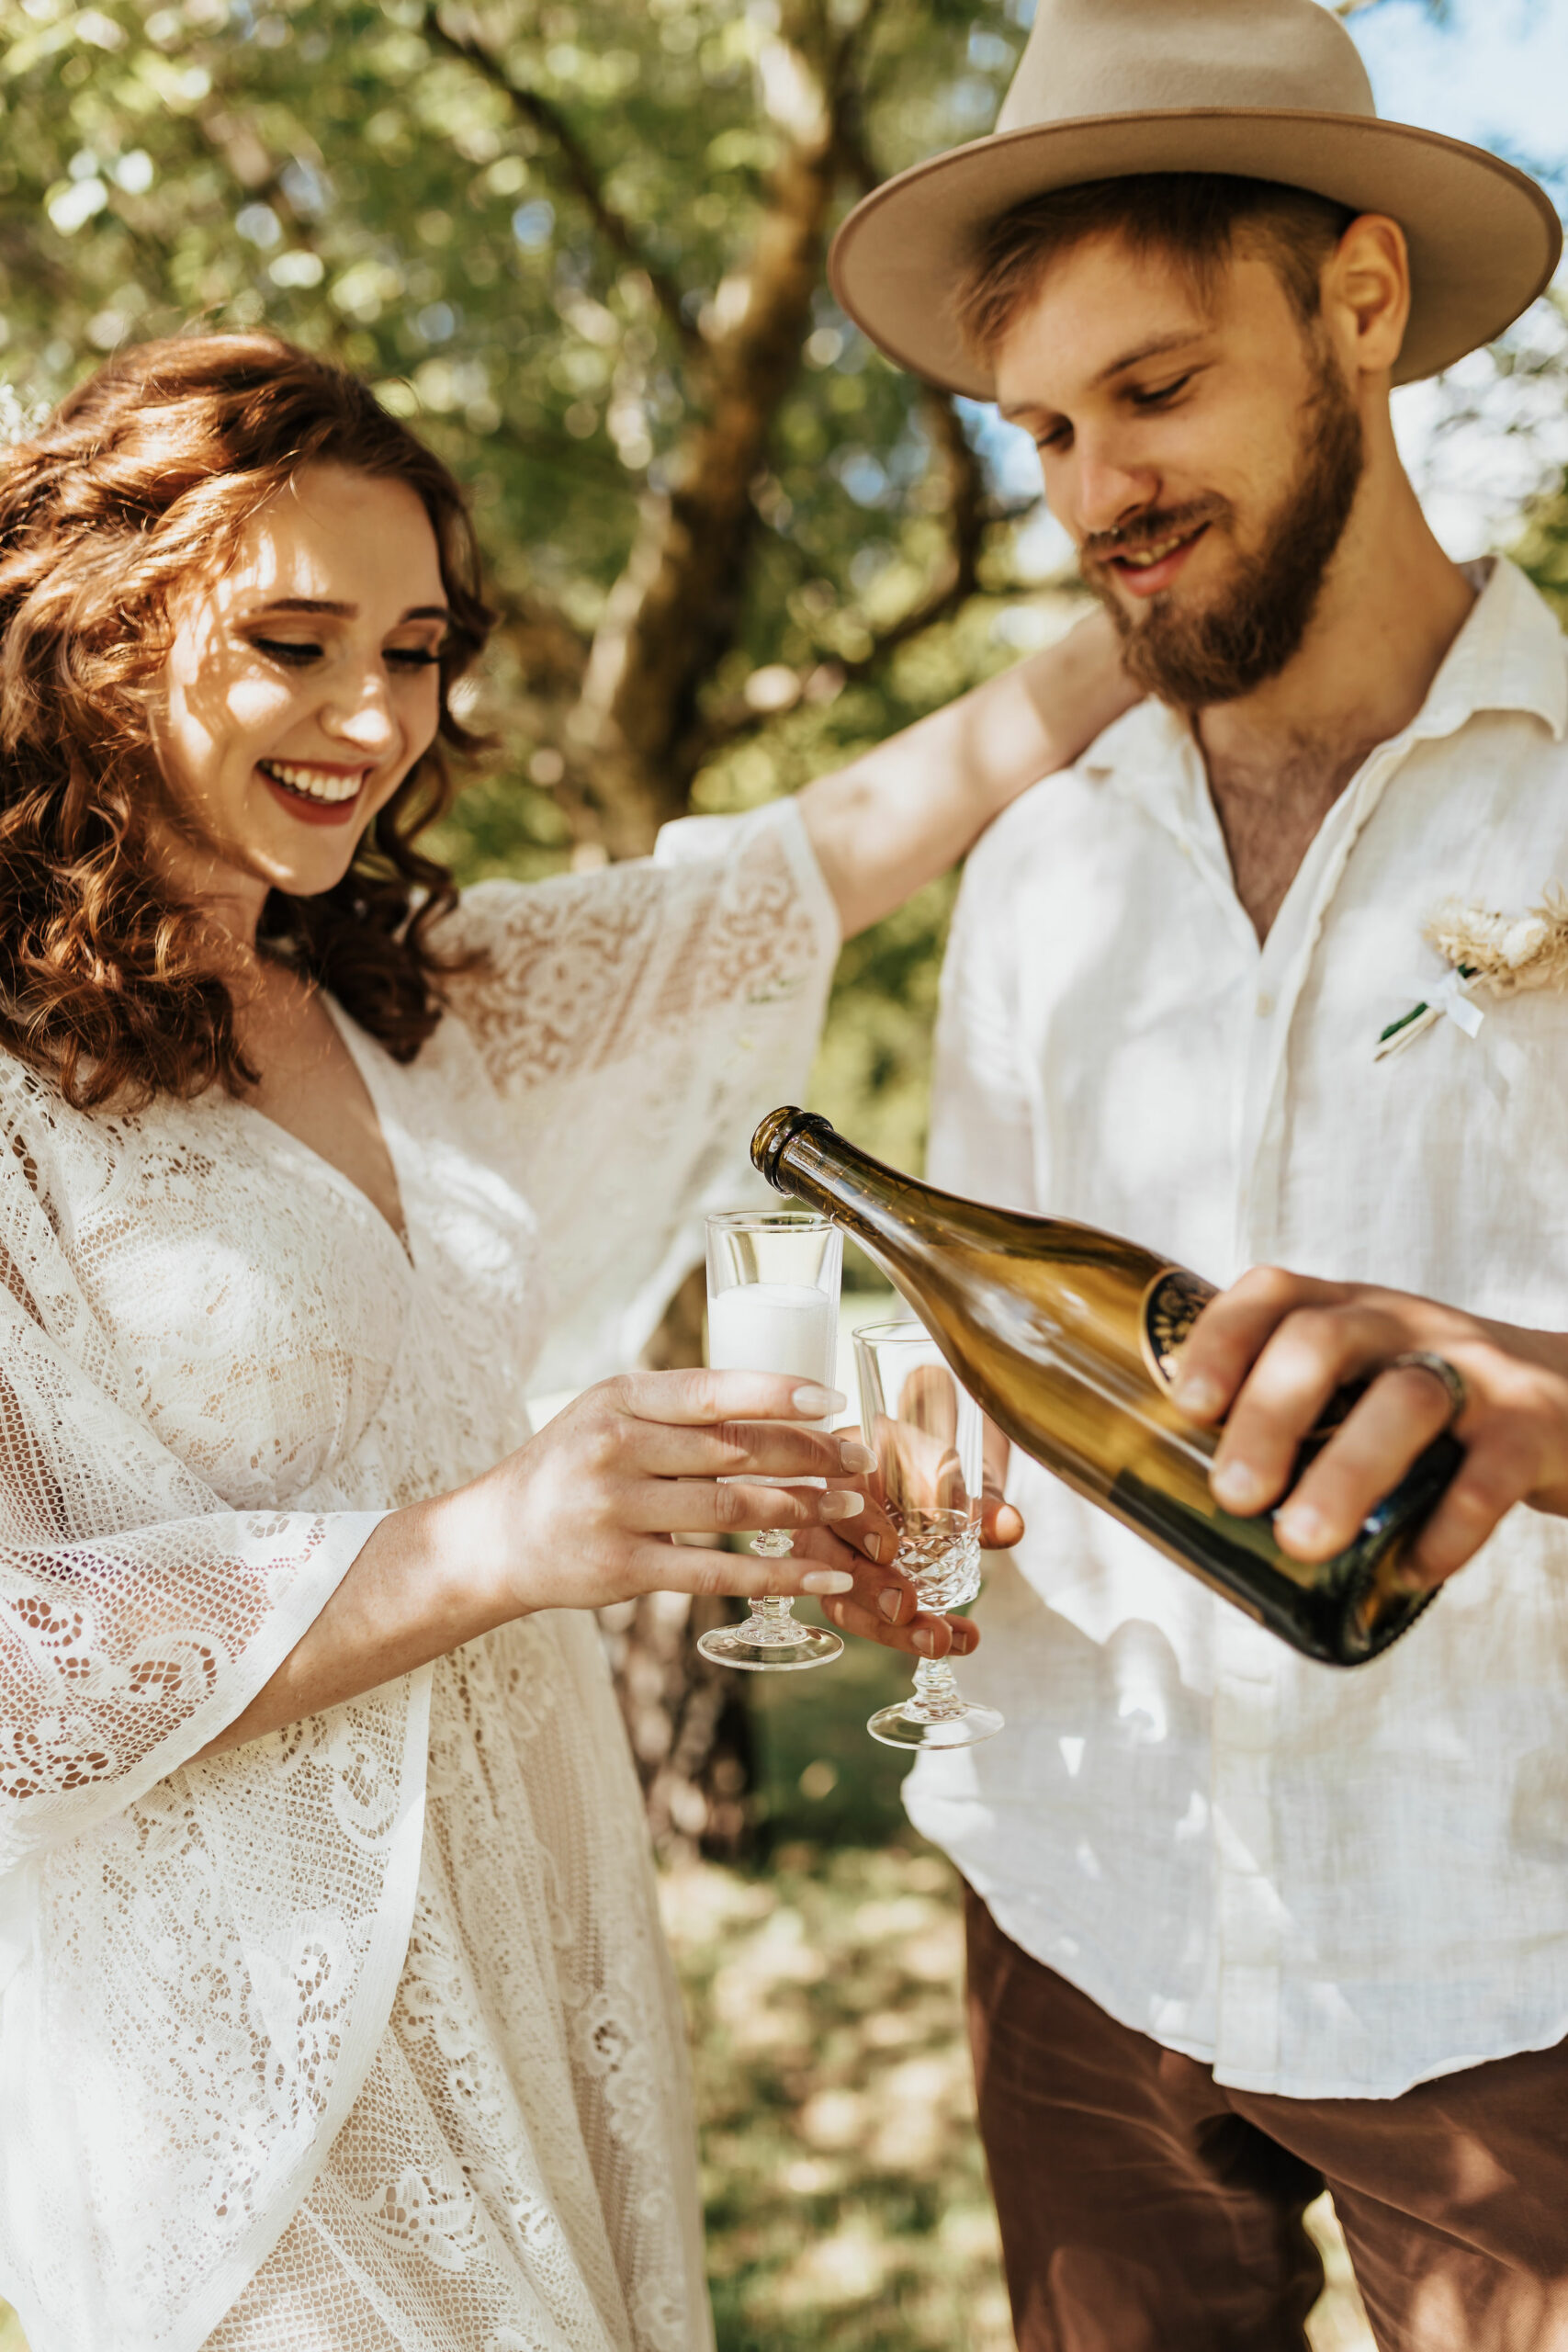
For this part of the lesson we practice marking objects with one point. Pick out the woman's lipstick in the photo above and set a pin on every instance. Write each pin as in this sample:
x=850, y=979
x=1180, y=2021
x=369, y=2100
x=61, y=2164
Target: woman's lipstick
x=309, y=807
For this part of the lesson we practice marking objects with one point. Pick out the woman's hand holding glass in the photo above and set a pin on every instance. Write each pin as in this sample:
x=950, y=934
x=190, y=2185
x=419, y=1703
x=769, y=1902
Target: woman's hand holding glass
x=588, y=1511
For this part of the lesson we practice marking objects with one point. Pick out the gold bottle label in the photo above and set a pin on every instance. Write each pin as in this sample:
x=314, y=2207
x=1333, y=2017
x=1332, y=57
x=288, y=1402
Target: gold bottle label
x=1172, y=1304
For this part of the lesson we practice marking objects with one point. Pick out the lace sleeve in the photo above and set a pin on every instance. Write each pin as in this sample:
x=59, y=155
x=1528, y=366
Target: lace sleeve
x=196, y=1960
x=138, y=1615
x=639, y=1022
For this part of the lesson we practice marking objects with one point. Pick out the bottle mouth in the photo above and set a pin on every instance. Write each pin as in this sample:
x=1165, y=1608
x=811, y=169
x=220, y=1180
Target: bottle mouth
x=779, y=1130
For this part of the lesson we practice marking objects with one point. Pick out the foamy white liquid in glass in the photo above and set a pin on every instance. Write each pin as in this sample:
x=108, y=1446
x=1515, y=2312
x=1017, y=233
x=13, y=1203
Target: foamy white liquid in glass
x=776, y=1327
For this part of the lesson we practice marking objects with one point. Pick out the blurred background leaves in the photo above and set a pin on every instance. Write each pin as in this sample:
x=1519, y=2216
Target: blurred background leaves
x=579, y=244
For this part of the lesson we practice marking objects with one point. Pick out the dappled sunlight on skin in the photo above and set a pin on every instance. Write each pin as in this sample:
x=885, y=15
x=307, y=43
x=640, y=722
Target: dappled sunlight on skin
x=847, y=2205
x=245, y=681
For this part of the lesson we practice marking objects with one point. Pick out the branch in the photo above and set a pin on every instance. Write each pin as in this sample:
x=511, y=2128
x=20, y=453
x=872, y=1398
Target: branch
x=969, y=516
x=580, y=171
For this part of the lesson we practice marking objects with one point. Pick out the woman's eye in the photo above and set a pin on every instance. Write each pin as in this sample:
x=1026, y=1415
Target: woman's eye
x=1163, y=392
x=288, y=648
x=412, y=657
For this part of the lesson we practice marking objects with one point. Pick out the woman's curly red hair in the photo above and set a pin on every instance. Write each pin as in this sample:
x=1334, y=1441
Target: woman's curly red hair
x=141, y=482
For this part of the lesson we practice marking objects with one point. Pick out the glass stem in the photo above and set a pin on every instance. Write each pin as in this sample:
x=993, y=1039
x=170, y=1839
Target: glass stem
x=776, y=1612
x=936, y=1694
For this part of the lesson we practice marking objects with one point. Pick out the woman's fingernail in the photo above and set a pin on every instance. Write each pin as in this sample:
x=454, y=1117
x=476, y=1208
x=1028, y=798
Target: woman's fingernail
x=827, y=1580
x=890, y=1602
x=843, y=1505
x=855, y=1456
x=1239, y=1486
x=816, y=1403
x=1195, y=1392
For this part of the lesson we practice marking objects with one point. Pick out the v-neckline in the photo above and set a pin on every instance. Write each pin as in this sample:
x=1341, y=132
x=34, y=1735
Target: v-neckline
x=344, y=1183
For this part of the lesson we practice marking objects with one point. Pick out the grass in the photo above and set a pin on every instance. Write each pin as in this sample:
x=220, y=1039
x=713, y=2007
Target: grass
x=847, y=2205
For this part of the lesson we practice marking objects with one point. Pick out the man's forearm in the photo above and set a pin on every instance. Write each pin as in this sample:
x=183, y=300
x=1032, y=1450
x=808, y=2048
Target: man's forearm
x=911, y=808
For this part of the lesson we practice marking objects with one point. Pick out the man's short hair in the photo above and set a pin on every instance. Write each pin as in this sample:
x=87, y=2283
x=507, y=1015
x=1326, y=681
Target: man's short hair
x=1199, y=219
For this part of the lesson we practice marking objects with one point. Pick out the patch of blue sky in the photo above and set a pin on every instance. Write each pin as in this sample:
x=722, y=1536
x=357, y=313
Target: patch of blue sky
x=1494, y=72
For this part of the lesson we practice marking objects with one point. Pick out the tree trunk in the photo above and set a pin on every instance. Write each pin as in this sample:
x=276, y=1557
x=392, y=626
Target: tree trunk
x=635, y=741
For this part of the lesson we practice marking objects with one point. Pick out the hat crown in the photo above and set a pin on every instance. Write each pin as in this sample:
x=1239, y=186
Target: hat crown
x=1109, y=57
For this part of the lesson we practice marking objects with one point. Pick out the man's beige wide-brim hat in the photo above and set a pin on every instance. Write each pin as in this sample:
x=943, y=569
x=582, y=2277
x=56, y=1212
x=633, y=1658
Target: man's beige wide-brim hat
x=1268, y=89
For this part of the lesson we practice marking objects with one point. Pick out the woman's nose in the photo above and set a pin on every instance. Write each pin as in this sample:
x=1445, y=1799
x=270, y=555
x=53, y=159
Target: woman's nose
x=361, y=715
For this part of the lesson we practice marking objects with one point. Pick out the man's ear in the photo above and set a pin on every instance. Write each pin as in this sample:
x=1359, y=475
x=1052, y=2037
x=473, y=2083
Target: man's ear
x=1366, y=294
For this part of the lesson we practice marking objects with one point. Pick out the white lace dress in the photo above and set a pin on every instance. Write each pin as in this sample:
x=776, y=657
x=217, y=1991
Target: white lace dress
x=363, y=2035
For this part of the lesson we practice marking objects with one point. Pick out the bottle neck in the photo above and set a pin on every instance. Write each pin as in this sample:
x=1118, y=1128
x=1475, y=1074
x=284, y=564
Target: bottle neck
x=888, y=1211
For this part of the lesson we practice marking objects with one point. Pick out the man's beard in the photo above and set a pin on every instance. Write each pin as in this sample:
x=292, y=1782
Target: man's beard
x=1257, y=623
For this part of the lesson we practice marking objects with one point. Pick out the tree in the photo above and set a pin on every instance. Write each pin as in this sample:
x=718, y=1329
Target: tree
x=581, y=244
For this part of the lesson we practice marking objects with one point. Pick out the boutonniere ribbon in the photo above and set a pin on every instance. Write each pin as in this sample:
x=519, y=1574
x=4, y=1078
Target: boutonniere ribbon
x=1500, y=954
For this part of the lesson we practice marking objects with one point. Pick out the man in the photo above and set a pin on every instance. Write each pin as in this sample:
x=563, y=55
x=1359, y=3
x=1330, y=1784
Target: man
x=1241, y=1925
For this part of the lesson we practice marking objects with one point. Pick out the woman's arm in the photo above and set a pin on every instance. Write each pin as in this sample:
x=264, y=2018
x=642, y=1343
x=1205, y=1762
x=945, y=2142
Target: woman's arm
x=582, y=1515
x=911, y=808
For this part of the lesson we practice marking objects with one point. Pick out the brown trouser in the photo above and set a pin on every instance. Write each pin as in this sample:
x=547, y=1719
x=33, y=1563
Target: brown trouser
x=1144, y=2208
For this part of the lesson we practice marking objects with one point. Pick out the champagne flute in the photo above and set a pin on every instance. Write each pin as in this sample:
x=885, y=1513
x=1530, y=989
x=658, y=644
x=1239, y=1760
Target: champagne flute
x=928, y=1435
x=773, y=1306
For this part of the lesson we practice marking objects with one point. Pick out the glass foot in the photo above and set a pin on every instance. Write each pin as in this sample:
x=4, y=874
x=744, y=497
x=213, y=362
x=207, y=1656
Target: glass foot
x=935, y=1714
x=904, y=1726
x=771, y=1642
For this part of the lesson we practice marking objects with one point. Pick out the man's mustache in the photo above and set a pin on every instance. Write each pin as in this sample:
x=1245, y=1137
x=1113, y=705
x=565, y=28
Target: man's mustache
x=1148, y=530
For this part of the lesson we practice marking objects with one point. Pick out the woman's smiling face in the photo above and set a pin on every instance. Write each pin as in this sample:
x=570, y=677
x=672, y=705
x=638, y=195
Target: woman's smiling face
x=302, y=686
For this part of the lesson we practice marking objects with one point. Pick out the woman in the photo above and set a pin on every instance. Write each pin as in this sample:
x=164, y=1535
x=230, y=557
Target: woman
x=334, y=2010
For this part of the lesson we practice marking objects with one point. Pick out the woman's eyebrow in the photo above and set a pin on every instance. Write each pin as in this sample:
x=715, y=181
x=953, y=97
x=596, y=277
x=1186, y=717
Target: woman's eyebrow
x=349, y=612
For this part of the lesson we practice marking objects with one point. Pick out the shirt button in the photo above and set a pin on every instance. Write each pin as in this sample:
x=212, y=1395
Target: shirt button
x=1265, y=1004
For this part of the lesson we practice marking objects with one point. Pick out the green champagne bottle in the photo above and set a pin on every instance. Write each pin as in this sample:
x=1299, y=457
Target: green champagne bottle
x=1068, y=1338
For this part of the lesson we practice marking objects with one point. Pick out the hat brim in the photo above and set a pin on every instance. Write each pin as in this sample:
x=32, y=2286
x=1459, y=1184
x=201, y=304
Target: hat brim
x=1483, y=238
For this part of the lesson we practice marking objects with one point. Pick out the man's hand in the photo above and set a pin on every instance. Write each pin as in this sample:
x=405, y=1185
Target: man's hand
x=1001, y=1522
x=884, y=1606
x=1267, y=1354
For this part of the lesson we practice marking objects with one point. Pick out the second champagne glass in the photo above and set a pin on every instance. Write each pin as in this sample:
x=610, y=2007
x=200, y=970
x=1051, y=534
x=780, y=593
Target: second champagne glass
x=773, y=1306
x=929, y=1436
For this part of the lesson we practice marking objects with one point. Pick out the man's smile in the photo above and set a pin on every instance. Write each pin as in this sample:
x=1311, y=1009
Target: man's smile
x=1145, y=570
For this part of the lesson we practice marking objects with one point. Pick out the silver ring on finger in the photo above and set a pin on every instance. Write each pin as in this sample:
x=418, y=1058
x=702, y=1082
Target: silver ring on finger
x=1452, y=1379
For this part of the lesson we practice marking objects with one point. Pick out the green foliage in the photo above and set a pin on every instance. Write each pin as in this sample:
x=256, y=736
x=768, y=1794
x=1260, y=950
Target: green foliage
x=1543, y=551
x=527, y=248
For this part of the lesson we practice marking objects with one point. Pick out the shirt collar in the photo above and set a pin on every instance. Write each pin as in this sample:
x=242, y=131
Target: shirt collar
x=1509, y=655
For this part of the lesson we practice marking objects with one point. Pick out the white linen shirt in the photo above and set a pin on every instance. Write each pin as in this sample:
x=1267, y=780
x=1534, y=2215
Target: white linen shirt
x=1325, y=1883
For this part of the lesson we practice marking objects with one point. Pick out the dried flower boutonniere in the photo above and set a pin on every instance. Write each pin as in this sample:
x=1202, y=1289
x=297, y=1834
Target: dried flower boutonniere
x=1501, y=954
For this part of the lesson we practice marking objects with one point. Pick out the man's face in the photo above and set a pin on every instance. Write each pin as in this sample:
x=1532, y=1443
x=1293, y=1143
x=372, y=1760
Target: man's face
x=1204, y=455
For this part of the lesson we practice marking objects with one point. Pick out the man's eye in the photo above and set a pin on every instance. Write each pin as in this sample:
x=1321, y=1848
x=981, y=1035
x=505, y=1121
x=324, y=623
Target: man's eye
x=412, y=657
x=1163, y=393
x=1057, y=438
x=288, y=648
